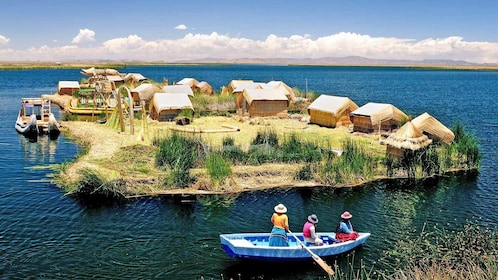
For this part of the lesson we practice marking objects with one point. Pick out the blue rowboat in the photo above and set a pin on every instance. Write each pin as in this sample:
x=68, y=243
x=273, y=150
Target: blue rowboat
x=255, y=246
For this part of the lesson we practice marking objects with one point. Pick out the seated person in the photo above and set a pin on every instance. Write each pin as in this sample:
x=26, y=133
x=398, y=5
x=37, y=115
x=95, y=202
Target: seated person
x=344, y=230
x=309, y=231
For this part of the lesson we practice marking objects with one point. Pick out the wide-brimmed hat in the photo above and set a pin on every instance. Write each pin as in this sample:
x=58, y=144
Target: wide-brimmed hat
x=346, y=215
x=313, y=218
x=280, y=209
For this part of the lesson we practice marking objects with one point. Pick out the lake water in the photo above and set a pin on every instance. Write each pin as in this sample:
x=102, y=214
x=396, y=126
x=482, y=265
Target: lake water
x=45, y=234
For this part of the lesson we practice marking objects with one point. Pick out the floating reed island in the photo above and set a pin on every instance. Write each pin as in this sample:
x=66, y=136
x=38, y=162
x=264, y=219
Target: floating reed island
x=161, y=138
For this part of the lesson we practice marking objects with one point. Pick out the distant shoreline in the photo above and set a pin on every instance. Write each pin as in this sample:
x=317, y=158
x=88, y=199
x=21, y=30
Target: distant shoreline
x=25, y=65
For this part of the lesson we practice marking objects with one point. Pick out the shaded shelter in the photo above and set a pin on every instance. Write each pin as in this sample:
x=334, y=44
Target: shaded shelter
x=167, y=106
x=134, y=78
x=262, y=103
x=433, y=128
x=237, y=83
x=331, y=111
x=376, y=117
x=67, y=87
x=204, y=87
x=408, y=137
x=191, y=82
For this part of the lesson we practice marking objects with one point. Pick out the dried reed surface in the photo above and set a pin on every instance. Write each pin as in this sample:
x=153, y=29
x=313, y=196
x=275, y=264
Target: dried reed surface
x=131, y=157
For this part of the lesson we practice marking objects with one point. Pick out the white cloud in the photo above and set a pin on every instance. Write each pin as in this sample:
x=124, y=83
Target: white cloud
x=181, y=27
x=4, y=41
x=198, y=46
x=84, y=36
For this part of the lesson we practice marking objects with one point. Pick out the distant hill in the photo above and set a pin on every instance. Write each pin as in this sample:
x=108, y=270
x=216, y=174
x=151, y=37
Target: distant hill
x=345, y=61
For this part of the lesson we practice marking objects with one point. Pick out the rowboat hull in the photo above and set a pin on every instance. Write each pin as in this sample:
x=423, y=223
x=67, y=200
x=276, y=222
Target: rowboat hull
x=255, y=246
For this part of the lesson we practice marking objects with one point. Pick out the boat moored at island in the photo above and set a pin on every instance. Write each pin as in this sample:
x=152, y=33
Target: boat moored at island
x=36, y=118
x=255, y=246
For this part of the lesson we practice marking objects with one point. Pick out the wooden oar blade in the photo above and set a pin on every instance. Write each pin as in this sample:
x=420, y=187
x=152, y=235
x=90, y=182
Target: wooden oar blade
x=323, y=264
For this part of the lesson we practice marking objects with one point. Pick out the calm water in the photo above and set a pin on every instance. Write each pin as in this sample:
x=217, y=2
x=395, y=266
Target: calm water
x=44, y=234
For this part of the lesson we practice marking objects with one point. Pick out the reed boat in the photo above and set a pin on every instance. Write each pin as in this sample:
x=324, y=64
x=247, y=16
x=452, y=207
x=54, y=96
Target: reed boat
x=36, y=118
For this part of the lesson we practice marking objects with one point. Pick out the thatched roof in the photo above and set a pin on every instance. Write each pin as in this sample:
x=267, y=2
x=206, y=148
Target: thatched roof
x=380, y=112
x=251, y=94
x=191, y=82
x=204, y=87
x=428, y=124
x=335, y=105
x=178, y=89
x=252, y=85
x=289, y=92
x=144, y=91
x=168, y=101
x=134, y=77
x=237, y=83
x=67, y=86
x=93, y=72
x=408, y=137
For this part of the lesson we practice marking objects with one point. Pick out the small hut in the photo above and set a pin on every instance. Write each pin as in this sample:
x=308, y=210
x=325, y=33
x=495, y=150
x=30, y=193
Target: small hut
x=204, y=87
x=237, y=83
x=134, y=78
x=262, y=103
x=433, y=128
x=331, y=111
x=167, y=106
x=143, y=92
x=376, y=117
x=67, y=87
x=408, y=137
x=191, y=82
x=181, y=89
x=289, y=92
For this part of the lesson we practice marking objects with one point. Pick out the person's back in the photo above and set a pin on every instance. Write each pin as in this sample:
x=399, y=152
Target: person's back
x=309, y=231
x=344, y=230
x=280, y=221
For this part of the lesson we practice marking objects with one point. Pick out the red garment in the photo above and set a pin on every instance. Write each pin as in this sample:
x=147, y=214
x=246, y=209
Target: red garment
x=341, y=237
x=306, y=230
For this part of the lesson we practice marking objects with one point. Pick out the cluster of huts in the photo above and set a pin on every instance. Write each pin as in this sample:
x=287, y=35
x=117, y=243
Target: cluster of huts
x=272, y=99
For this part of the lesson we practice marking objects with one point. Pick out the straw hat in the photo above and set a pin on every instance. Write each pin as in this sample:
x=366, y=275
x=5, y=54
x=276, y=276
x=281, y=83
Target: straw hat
x=346, y=215
x=313, y=219
x=281, y=209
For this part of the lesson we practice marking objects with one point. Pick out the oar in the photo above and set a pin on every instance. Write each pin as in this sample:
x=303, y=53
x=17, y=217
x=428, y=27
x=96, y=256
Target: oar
x=315, y=257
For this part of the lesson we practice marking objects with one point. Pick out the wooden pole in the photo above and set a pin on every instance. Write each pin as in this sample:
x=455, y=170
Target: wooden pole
x=120, y=113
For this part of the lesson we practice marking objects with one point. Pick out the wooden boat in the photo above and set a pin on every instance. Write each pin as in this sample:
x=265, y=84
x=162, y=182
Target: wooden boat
x=255, y=246
x=36, y=118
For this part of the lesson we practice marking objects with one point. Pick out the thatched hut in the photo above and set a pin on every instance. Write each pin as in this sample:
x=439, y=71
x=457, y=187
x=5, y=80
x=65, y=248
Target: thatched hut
x=204, y=87
x=262, y=103
x=143, y=93
x=191, y=82
x=134, y=78
x=180, y=89
x=408, y=137
x=289, y=92
x=67, y=87
x=331, y=111
x=167, y=106
x=237, y=83
x=377, y=116
x=433, y=128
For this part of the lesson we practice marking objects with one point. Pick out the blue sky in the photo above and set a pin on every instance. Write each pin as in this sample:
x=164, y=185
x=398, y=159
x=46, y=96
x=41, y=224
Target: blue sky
x=61, y=30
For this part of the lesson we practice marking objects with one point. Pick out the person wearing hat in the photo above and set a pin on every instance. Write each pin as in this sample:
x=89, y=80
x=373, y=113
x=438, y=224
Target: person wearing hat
x=309, y=231
x=280, y=221
x=344, y=230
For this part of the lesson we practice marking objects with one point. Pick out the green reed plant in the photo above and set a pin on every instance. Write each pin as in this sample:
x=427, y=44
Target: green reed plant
x=218, y=168
x=438, y=252
x=94, y=185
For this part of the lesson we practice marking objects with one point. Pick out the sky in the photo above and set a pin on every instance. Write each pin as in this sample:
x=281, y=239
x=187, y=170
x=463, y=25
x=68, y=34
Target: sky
x=178, y=30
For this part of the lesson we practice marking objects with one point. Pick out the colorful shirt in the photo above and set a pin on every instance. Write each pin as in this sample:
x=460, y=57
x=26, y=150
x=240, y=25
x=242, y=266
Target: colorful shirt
x=280, y=221
x=345, y=227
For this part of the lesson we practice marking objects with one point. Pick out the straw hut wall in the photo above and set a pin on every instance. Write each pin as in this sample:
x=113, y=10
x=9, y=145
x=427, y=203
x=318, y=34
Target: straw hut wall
x=373, y=117
x=262, y=103
x=433, y=128
x=167, y=106
x=67, y=87
x=331, y=111
x=408, y=137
